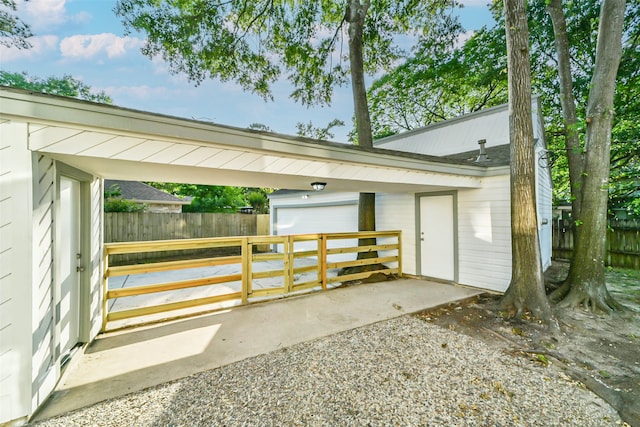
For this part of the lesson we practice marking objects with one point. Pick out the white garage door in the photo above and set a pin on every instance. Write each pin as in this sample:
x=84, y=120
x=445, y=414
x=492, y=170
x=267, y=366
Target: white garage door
x=318, y=219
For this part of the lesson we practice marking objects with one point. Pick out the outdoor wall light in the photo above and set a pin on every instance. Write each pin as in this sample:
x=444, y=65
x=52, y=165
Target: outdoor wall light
x=318, y=186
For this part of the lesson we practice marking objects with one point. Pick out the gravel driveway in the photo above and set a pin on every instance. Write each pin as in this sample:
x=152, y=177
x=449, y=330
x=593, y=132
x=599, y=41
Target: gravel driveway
x=403, y=372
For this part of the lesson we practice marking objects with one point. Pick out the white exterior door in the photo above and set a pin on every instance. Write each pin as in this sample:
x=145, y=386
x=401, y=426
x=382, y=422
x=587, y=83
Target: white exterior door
x=67, y=293
x=437, y=237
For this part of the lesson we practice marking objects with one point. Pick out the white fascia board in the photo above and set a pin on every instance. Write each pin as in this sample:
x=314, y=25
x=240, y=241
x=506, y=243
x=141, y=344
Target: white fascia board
x=69, y=112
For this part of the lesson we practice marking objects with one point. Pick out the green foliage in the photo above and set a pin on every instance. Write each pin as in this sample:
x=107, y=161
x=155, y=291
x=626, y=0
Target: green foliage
x=118, y=204
x=308, y=130
x=259, y=201
x=65, y=86
x=256, y=43
x=113, y=201
x=13, y=31
x=217, y=198
x=440, y=82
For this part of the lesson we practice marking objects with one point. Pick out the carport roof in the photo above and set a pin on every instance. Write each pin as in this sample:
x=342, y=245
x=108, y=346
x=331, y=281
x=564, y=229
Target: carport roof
x=120, y=143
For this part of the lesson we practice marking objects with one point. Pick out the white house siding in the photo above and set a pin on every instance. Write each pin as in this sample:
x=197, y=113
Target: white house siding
x=45, y=371
x=454, y=136
x=29, y=362
x=15, y=272
x=397, y=212
x=544, y=191
x=484, y=235
x=94, y=267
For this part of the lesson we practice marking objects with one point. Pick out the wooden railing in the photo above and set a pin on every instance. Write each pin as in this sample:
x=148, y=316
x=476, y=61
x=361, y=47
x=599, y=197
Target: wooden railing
x=237, y=279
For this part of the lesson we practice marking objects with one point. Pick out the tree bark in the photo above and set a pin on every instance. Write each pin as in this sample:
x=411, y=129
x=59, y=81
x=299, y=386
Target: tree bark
x=586, y=282
x=568, y=103
x=526, y=291
x=572, y=142
x=356, y=12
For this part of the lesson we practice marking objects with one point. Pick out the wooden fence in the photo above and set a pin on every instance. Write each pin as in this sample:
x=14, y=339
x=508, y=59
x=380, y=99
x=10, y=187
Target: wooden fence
x=623, y=242
x=148, y=226
x=205, y=283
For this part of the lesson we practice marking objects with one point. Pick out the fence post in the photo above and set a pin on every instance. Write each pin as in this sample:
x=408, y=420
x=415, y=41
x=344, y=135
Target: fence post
x=399, y=254
x=322, y=260
x=246, y=269
x=105, y=289
x=288, y=264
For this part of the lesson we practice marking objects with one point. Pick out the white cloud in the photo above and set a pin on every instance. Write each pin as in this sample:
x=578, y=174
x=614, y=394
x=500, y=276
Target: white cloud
x=42, y=15
x=92, y=45
x=462, y=38
x=144, y=92
x=40, y=46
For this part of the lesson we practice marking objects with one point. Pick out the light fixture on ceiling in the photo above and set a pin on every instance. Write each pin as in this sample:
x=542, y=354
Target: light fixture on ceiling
x=318, y=186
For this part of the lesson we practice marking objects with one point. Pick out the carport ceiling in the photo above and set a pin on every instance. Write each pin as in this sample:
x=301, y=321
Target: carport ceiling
x=119, y=143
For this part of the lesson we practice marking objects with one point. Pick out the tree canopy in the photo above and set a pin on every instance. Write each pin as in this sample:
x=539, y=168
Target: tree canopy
x=13, y=31
x=429, y=88
x=258, y=42
x=63, y=86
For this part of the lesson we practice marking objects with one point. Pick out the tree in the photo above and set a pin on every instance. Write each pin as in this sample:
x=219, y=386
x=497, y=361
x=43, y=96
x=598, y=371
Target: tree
x=250, y=41
x=585, y=284
x=526, y=290
x=13, y=31
x=113, y=201
x=440, y=85
x=310, y=131
x=64, y=86
x=439, y=82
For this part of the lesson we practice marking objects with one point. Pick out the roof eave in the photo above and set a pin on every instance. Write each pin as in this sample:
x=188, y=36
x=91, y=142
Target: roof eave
x=54, y=110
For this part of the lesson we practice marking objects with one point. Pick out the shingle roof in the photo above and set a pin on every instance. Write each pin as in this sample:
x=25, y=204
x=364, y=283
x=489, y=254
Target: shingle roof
x=499, y=155
x=140, y=192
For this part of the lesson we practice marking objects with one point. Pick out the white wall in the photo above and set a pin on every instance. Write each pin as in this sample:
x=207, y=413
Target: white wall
x=484, y=235
x=15, y=272
x=29, y=357
x=45, y=370
x=397, y=212
x=454, y=136
x=544, y=191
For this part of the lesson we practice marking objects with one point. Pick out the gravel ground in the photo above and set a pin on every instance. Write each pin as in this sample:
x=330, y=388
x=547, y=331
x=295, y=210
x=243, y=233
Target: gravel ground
x=403, y=372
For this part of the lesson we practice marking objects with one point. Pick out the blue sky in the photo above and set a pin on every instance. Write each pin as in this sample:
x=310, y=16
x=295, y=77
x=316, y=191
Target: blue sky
x=84, y=38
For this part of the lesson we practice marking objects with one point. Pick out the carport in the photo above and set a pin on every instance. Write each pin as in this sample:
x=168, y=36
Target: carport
x=56, y=151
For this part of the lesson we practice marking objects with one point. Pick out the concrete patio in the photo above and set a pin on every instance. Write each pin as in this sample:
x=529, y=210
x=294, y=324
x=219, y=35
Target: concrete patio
x=122, y=362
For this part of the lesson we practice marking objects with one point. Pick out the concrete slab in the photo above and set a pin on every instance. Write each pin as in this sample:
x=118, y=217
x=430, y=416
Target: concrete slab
x=126, y=361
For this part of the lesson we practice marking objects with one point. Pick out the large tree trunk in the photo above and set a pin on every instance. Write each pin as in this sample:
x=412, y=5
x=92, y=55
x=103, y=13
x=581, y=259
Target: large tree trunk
x=572, y=141
x=568, y=103
x=586, y=282
x=526, y=291
x=356, y=12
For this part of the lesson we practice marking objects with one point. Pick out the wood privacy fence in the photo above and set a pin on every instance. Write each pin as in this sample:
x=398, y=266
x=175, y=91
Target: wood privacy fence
x=147, y=226
x=623, y=242
x=307, y=261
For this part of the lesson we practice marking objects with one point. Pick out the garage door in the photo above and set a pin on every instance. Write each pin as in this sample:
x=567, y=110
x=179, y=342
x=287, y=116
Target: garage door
x=320, y=219
x=317, y=219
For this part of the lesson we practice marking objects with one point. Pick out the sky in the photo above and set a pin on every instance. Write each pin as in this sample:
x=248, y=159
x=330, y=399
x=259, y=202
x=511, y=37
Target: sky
x=84, y=39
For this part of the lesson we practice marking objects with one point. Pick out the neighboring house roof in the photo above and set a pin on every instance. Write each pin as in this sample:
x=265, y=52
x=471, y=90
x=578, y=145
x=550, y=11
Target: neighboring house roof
x=143, y=193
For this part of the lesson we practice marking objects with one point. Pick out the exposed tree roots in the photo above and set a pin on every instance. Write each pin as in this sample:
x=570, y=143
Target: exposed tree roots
x=516, y=306
x=589, y=296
